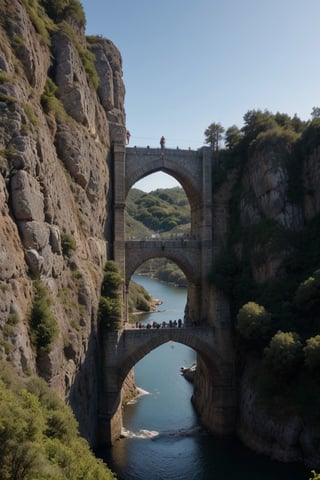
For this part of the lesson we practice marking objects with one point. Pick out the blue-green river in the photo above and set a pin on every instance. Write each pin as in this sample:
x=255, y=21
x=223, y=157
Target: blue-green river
x=164, y=440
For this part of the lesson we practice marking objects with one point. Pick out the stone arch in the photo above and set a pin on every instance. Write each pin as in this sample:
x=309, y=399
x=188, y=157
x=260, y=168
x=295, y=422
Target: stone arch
x=202, y=344
x=187, y=167
x=133, y=261
x=183, y=165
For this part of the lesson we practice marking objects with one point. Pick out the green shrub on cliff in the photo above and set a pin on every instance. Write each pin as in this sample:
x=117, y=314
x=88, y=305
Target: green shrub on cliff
x=111, y=280
x=254, y=323
x=68, y=244
x=43, y=324
x=39, y=436
x=110, y=308
x=284, y=354
x=109, y=313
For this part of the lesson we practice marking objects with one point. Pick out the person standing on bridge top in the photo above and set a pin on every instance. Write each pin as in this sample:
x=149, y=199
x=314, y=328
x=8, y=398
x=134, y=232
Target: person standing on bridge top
x=162, y=142
x=128, y=135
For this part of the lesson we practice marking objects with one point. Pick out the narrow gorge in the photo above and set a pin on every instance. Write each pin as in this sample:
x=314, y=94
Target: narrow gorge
x=62, y=196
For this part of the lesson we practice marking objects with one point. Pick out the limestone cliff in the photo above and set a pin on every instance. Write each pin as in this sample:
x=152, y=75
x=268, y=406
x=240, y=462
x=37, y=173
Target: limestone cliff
x=61, y=103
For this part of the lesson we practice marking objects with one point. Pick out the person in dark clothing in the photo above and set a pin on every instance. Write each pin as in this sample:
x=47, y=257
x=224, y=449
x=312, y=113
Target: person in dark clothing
x=162, y=142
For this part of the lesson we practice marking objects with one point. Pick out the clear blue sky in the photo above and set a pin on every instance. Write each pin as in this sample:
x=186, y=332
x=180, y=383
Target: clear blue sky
x=189, y=63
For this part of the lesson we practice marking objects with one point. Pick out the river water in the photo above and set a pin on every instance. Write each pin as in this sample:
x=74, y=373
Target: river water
x=163, y=438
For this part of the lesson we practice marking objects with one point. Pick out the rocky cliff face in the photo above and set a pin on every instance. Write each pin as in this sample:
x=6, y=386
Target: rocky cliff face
x=287, y=440
x=56, y=131
x=270, y=213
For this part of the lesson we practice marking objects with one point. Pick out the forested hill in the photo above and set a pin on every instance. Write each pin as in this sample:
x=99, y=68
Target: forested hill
x=164, y=211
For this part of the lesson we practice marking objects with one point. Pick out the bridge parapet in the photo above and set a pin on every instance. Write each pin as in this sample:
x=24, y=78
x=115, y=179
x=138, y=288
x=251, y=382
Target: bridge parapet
x=151, y=243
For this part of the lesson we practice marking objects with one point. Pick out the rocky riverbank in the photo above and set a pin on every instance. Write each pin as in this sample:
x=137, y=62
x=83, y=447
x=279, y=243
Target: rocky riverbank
x=189, y=372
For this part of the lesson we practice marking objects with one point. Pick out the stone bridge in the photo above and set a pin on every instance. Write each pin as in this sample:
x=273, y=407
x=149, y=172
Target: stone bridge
x=193, y=169
x=125, y=348
x=207, y=321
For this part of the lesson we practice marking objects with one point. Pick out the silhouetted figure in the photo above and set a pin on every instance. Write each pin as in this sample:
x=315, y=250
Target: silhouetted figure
x=162, y=142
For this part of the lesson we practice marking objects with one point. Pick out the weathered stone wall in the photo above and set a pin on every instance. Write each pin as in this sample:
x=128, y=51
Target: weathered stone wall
x=55, y=185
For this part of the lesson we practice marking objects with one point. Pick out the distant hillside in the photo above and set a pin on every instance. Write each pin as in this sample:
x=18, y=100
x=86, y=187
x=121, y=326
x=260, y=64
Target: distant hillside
x=165, y=211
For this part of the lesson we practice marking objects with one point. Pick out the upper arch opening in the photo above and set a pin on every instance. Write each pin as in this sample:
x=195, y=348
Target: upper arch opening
x=184, y=166
x=162, y=212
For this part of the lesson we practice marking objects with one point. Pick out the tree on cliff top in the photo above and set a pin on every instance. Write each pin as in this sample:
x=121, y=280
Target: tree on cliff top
x=213, y=135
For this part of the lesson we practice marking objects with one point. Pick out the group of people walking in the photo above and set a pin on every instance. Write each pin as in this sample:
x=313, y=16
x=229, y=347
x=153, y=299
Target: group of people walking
x=170, y=324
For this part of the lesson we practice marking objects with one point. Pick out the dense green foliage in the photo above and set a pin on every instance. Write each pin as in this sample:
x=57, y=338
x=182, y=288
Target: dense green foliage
x=163, y=213
x=110, y=309
x=110, y=313
x=165, y=270
x=283, y=354
x=43, y=325
x=135, y=229
x=213, y=135
x=111, y=280
x=39, y=437
x=254, y=323
x=59, y=10
x=169, y=272
x=159, y=211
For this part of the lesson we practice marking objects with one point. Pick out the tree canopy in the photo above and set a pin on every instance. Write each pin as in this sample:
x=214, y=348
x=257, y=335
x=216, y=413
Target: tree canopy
x=39, y=438
x=213, y=135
